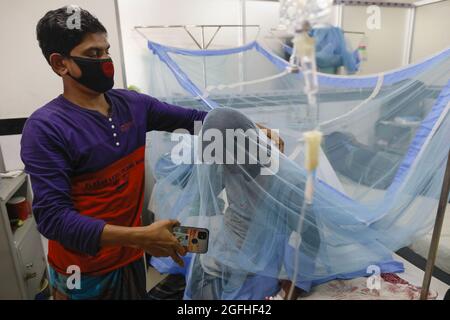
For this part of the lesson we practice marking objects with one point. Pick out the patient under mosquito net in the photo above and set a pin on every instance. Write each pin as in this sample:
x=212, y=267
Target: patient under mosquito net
x=252, y=209
x=378, y=181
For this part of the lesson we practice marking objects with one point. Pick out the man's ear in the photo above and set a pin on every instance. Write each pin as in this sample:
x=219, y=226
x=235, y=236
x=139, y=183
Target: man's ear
x=58, y=64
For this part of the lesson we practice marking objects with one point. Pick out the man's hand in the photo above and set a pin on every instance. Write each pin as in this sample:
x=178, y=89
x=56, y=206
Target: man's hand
x=156, y=239
x=272, y=135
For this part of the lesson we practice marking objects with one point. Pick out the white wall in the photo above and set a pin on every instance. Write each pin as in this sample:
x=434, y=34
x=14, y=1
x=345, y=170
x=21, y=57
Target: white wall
x=162, y=12
x=265, y=14
x=27, y=81
x=431, y=32
x=11, y=152
x=386, y=45
x=171, y=12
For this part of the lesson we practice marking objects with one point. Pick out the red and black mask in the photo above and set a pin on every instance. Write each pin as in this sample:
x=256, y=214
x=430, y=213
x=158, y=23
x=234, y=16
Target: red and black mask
x=96, y=74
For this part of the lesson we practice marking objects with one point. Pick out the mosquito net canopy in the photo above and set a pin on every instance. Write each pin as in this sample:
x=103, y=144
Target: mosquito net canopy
x=378, y=182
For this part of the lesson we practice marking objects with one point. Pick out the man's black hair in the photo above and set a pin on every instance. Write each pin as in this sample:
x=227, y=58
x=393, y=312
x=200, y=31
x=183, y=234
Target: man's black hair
x=57, y=33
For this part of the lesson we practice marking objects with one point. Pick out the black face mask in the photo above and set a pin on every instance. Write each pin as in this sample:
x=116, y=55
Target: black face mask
x=96, y=74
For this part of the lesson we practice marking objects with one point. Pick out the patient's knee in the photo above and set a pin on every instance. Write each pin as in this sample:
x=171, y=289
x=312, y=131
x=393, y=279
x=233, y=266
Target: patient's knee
x=227, y=118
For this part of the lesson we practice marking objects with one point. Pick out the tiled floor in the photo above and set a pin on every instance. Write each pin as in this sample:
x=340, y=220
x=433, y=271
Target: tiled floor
x=153, y=278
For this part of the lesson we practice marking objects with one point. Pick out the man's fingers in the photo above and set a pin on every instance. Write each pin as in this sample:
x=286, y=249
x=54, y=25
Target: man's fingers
x=179, y=248
x=282, y=145
x=275, y=137
x=177, y=259
x=174, y=223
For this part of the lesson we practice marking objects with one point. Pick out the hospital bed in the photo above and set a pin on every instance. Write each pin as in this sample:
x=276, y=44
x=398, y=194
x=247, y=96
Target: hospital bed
x=417, y=253
x=356, y=289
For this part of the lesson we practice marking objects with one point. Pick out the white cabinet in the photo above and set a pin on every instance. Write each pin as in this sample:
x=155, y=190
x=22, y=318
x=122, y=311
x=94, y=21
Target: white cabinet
x=22, y=258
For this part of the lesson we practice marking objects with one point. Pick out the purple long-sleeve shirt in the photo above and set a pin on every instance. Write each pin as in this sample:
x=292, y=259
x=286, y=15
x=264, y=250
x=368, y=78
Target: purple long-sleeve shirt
x=61, y=141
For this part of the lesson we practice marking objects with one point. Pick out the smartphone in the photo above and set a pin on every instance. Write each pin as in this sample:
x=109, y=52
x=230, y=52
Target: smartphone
x=193, y=239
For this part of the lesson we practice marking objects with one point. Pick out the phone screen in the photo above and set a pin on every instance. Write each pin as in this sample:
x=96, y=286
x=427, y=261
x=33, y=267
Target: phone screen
x=193, y=239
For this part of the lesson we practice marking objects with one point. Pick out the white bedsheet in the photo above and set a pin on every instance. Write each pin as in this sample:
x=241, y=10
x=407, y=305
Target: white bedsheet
x=412, y=274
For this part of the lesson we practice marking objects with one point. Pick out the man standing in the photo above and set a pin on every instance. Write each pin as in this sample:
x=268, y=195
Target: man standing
x=84, y=152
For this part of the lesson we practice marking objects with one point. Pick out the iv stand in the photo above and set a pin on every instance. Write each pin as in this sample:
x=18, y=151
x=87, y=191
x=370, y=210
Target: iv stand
x=432, y=253
x=2, y=161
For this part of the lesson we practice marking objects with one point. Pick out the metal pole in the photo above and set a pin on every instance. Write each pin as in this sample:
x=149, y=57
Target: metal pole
x=197, y=26
x=242, y=41
x=426, y=2
x=339, y=14
x=436, y=232
x=203, y=38
x=213, y=36
x=119, y=29
x=204, y=59
x=411, y=16
x=200, y=46
x=244, y=21
x=391, y=4
x=2, y=162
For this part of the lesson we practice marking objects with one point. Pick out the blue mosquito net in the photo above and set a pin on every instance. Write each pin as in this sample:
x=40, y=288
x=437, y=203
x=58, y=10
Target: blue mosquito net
x=385, y=142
